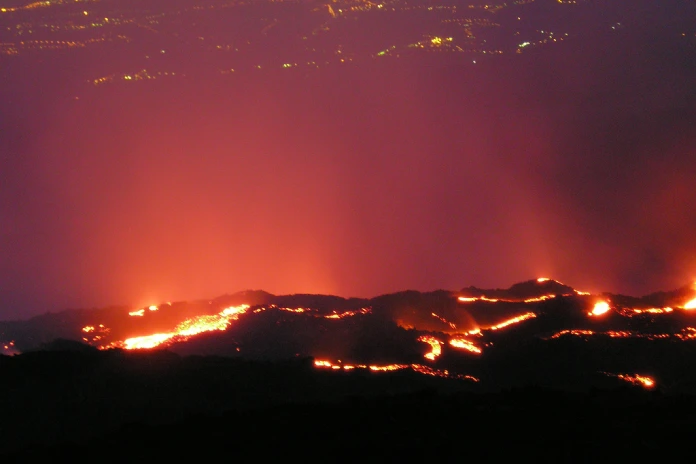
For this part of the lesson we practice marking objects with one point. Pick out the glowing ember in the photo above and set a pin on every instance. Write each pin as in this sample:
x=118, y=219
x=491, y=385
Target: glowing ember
x=152, y=308
x=514, y=320
x=543, y=279
x=436, y=349
x=140, y=312
x=690, y=304
x=88, y=328
x=464, y=344
x=601, y=307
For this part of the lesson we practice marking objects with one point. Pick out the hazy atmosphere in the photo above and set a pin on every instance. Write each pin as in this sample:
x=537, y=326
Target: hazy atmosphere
x=575, y=161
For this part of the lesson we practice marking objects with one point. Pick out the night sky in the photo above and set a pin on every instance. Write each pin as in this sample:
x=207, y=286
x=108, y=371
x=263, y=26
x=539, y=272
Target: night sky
x=576, y=164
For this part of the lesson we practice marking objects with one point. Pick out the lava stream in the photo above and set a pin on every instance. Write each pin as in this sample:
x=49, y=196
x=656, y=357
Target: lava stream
x=187, y=328
x=424, y=370
x=435, y=348
x=635, y=379
x=514, y=320
x=464, y=344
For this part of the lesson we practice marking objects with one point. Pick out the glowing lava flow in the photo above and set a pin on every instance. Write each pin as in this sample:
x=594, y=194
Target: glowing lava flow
x=336, y=315
x=635, y=379
x=472, y=299
x=187, y=328
x=514, y=320
x=436, y=349
x=464, y=344
x=601, y=307
x=420, y=369
x=652, y=310
x=199, y=324
x=467, y=299
x=690, y=304
x=442, y=319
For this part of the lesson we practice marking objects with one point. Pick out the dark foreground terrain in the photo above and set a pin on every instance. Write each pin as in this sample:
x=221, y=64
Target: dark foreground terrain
x=85, y=404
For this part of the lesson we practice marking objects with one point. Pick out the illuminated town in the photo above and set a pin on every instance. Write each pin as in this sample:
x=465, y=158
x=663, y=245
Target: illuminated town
x=225, y=37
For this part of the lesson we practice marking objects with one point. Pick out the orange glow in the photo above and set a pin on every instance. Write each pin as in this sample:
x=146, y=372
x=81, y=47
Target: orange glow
x=153, y=308
x=464, y=344
x=514, y=320
x=88, y=328
x=690, y=304
x=140, y=312
x=436, y=349
x=543, y=279
x=601, y=307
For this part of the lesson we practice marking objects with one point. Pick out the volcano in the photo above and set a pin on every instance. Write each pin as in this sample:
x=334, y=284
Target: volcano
x=537, y=332
x=319, y=374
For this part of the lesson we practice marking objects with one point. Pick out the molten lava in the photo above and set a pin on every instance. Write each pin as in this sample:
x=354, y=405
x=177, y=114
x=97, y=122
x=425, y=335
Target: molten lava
x=187, y=329
x=600, y=308
x=424, y=370
x=466, y=299
x=442, y=319
x=435, y=346
x=342, y=315
x=635, y=379
x=465, y=344
x=514, y=320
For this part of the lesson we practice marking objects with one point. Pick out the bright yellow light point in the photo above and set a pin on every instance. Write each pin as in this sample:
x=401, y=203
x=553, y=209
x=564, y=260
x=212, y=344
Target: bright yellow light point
x=4, y=10
x=85, y=13
x=436, y=40
x=543, y=279
x=152, y=308
x=601, y=307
